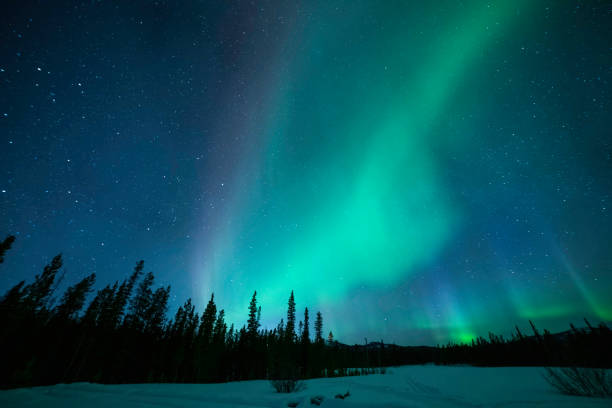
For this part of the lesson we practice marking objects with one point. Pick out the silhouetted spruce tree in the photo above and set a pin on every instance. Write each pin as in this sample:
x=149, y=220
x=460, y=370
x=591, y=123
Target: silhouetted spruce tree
x=319, y=328
x=208, y=321
x=74, y=298
x=306, y=363
x=218, y=370
x=536, y=333
x=140, y=304
x=119, y=340
x=280, y=329
x=12, y=298
x=178, y=323
x=63, y=337
x=102, y=308
x=181, y=341
x=191, y=328
x=11, y=313
x=230, y=335
x=220, y=329
x=191, y=320
x=156, y=314
x=290, y=326
x=38, y=292
x=306, y=331
x=253, y=322
x=202, y=354
x=122, y=296
x=93, y=310
x=5, y=246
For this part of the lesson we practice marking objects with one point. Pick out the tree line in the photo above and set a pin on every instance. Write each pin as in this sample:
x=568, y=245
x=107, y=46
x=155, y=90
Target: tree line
x=577, y=347
x=124, y=335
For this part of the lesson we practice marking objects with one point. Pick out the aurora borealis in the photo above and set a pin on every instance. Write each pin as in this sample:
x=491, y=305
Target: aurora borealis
x=418, y=172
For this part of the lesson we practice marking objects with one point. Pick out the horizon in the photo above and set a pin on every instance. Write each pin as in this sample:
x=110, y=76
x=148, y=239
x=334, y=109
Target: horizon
x=419, y=173
x=271, y=323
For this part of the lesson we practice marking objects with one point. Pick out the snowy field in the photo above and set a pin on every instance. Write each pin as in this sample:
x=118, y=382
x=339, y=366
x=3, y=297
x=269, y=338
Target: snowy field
x=403, y=387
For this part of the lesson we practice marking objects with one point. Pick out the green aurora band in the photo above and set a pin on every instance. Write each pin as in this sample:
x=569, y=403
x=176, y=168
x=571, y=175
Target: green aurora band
x=346, y=191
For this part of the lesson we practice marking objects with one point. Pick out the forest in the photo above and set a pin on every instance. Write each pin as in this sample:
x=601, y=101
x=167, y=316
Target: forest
x=123, y=334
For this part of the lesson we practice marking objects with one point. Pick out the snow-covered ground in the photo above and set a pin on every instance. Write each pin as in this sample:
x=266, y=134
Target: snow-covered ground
x=402, y=387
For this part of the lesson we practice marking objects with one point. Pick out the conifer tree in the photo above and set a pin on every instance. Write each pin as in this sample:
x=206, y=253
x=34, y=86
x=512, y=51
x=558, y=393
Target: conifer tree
x=191, y=319
x=208, y=321
x=140, y=304
x=230, y=335
x=11, y=308
x=253, y=322
x=156, y=315
x=122, y=295
x=74, y=298
x=5, y=246
x=179, y=322
x=290, y=326
x=306, y=330
x=220, y=328
x=106, y=311
x=280, y=329
x=93, y=310
x=12, y=298
x=319, y=328
x=40, y=290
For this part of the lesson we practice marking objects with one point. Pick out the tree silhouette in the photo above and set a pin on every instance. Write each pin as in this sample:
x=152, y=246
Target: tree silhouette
x=253, y=322
x=5, y=246
x=73, y=299
x=290, y=326
x=208, y=321
x=38, y=293
x=306, y=331
x=319, y=328
x=140, y=303
x=122, y=296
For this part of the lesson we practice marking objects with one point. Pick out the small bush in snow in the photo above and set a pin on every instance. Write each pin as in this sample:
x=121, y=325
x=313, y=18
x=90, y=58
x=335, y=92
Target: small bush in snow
x=343, y=396
x=287, y=386
x=317, y=400
x=587, y=382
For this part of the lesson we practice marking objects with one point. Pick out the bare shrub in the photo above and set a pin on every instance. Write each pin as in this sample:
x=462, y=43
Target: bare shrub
x=316, y=400
x=287, y=386
x=343, y=396
x=587, y=382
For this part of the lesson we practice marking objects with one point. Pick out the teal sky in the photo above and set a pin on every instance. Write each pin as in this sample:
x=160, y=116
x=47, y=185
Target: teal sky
x=350, y=193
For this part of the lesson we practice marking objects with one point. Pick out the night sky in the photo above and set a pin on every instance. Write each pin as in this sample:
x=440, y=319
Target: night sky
x=418, y=171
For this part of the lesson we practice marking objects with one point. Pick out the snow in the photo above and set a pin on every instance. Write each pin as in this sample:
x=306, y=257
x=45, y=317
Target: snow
x=405, y=387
